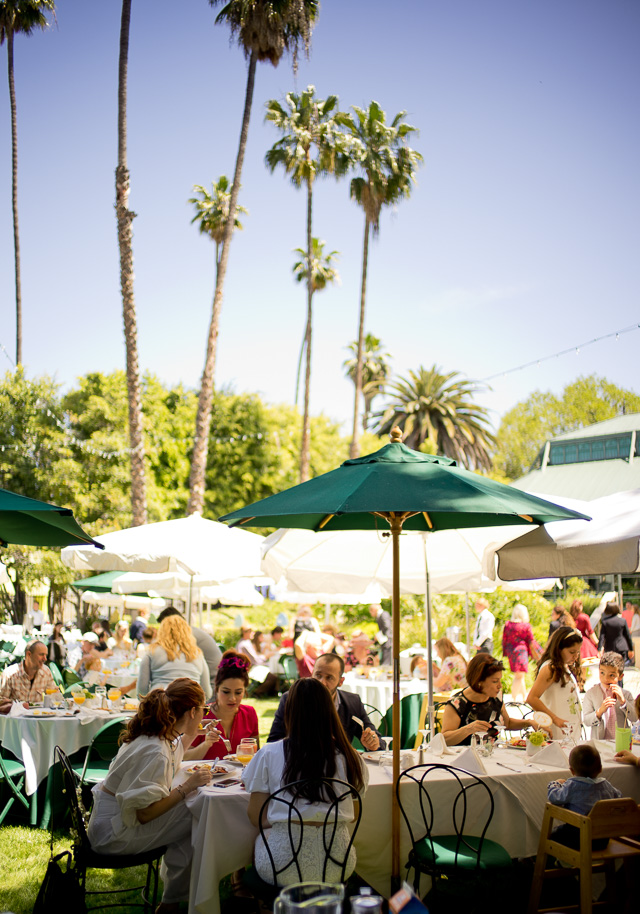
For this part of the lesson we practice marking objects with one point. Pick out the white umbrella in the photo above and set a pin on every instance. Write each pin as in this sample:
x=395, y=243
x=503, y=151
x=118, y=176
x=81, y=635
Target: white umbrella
x=191, y=544
x=116, y=599
x=608, y=544
x=4, y=577
x=347, y=561
x=176, y=585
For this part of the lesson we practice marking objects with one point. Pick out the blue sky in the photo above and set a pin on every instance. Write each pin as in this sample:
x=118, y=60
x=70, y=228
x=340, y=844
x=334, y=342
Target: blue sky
x=520, y=240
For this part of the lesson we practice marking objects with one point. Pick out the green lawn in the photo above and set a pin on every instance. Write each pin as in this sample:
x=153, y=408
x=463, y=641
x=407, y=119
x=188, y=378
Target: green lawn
x=24, y=852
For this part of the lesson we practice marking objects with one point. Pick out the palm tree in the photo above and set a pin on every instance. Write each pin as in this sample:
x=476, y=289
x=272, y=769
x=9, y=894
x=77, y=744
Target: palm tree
x=212, y=212
x=16, y=17
x=125, y=217
x=305, y=123
x=376, y=370
x=388, y=167
x=264, y=29
x=318, y=271
x=429, y=405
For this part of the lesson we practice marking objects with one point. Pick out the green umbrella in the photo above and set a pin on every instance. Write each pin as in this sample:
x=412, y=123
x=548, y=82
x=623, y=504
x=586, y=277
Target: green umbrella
x=393, y=489
x=28, y=522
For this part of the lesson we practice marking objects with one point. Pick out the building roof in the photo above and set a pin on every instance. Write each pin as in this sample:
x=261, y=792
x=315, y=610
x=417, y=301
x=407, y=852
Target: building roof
x=589, y=462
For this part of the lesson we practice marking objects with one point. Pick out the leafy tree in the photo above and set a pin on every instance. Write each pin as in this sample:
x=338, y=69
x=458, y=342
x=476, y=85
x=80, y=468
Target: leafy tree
x=525, y=428
x=429, y=405
x=212, y=212
x=388, y=165
x=306, y=122
x=376, y=370
x=264, y=29
x=317, y=270
x=124, y=218
x=19, y=17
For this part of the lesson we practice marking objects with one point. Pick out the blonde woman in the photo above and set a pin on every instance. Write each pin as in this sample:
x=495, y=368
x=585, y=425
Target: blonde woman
x=453, y=671
x=121, y=640
x=173, y=655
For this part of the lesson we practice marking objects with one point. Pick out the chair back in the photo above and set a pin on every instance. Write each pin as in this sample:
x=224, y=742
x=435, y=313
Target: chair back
x=410, y=708
x=613, y=818
x=336, y=792
x=70, y=788
x=288, y=664
x=467, y=788
x=71, y=677
x=520, y=708
x=105, y=742
x=57, y=675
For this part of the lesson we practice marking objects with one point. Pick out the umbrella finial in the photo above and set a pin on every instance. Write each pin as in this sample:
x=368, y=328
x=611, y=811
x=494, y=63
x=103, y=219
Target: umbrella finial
x=396, y=435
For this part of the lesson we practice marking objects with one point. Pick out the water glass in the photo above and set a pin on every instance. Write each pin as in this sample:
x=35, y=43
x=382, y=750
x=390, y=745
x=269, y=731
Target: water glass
x=310, y=898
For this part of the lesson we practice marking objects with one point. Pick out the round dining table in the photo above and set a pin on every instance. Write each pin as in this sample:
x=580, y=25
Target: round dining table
x=223, y=838
x=377, y=689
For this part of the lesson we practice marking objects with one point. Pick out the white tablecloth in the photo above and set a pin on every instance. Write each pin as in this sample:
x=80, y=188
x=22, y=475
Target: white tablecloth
x=379, y=693
x=33, y=740
x=223, y=837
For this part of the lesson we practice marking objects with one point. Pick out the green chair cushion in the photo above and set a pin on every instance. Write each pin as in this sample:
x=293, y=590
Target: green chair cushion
x=443, y=856
x=12, y=768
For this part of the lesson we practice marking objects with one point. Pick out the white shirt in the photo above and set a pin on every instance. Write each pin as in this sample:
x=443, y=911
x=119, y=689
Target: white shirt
x=484, y=627
x=141, y=773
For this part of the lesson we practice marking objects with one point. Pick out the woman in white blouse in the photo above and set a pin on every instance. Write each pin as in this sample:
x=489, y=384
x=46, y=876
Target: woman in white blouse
x=135, y=808
x=312, y=726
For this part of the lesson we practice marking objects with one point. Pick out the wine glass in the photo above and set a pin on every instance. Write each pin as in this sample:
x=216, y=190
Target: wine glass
x=424, y=745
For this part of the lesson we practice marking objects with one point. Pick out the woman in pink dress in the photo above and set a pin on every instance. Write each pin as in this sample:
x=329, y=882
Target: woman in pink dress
x=583, y=624
x=518, y=644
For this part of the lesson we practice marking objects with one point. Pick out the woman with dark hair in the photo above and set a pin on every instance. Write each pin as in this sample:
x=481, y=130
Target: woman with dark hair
x=57, y=646
x=614, y=633
x=559, y=679
x=135, y=809
x=589, y=646
x=312, y=726
x=479, y=705
x=234, y=721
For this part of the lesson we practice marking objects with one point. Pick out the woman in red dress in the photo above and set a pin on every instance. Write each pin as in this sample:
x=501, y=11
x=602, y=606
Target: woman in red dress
x=583, y=624
x=235, y=721
x=518, y=644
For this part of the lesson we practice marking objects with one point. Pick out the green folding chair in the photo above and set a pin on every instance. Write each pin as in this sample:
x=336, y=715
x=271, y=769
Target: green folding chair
x=100, y=753
x=289, y=671
x=12, y=773
x=70, y=677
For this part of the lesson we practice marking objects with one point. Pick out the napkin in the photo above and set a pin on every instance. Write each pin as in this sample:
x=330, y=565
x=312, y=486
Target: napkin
x=16, y=710
x=470, y=761
x=438, y=746
x=553, y=756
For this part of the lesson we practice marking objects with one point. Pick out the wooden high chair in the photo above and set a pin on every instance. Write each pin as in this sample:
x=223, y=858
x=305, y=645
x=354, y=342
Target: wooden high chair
x=608, y=819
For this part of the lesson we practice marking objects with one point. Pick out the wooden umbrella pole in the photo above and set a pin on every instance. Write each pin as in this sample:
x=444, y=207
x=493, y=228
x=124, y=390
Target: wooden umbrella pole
x=396, y=527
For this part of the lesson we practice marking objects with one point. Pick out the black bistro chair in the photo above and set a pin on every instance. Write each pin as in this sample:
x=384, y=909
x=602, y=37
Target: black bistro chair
x=337, y=792
x=458, y=863
x=85, y=858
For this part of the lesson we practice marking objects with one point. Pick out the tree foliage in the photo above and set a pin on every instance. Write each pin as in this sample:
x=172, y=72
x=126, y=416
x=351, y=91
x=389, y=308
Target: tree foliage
x=543, y=415
x=431, y=406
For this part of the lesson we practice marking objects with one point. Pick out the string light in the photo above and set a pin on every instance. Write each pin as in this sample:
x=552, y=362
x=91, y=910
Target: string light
x=557, y=355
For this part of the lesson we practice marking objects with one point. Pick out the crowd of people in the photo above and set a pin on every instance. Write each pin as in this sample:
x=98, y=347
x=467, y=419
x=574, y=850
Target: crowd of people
x=193, y=707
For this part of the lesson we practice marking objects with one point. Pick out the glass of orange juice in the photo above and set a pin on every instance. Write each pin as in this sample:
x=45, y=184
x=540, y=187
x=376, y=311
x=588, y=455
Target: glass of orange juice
x=246, y=750
x=51, y=691
x=114, y=694
x=79, y=698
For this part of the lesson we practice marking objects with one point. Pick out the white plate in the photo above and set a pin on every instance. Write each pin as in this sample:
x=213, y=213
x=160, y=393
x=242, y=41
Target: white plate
x=519, y=748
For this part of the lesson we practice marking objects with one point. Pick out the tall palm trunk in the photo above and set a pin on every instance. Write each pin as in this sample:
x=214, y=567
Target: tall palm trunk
x=305, y=445
x=205, y=396
x=354, y=449
x=124, y=218
x=14, y=196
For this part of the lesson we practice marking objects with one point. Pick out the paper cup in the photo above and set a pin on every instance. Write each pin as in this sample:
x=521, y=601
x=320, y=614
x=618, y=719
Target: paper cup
x=623, y=738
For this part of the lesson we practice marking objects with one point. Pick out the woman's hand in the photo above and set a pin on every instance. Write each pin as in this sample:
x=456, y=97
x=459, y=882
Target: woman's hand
x=212, y=735
x=626, y=757
x=198, y=779
x=478, y=726
x=558, y=721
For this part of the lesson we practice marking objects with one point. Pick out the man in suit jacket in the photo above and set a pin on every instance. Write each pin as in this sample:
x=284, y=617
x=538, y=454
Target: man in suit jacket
x=329, y=670
x=384, y=635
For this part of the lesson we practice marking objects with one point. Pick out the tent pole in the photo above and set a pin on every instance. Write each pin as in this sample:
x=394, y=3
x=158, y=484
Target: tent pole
x=190, y=599
x=396, y=526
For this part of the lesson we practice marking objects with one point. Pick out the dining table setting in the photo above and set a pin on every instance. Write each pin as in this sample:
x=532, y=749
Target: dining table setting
x=518, y=784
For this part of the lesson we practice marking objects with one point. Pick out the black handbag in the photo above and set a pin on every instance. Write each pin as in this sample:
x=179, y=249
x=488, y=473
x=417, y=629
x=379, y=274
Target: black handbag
x=60, y=888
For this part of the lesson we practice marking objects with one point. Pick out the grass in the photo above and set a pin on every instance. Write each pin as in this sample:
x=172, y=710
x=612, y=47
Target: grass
x=24, y=852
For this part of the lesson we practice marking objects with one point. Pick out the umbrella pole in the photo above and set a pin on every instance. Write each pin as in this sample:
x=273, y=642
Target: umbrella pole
x=431, y=706
x=466, y=616
x=396, y=526
x=190, y=599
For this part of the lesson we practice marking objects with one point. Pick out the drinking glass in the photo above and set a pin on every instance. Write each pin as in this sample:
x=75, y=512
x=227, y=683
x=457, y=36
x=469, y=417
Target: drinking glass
x=310, y=898
x=79, y=698
x=246, y=750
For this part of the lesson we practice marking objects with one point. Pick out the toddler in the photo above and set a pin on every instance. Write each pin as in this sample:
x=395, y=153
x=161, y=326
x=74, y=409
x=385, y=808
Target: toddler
x=606, y=704
x=580, y=792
